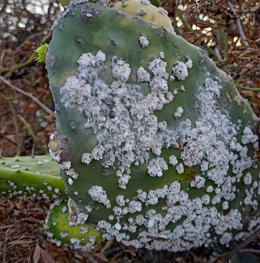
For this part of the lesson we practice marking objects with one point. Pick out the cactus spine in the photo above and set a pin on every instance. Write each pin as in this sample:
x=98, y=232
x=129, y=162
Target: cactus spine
x=156, y=146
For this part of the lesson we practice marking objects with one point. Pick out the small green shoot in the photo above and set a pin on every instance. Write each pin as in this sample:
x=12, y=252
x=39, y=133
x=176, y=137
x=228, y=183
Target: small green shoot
x=41, y=52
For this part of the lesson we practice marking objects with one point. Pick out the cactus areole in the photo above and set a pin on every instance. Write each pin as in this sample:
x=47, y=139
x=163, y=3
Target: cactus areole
x=156, y=146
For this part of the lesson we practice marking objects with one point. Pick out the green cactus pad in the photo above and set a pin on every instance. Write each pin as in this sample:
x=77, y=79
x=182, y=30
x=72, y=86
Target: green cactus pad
x=145, y=11
x=30, y=176
x=61, y=229
x=154, y=142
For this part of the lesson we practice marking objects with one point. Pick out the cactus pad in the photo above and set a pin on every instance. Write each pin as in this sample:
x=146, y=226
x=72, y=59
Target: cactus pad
x=61, y=229
x=155, y=144
x=30, y=176
x=146, y=11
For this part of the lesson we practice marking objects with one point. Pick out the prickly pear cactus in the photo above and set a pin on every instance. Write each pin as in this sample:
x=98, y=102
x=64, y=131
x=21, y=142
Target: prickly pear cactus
x=62, y=229
x=156, y=146
x=36, y=176
x=146, y=11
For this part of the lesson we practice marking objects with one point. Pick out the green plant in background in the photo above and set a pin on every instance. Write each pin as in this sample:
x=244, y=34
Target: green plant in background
x=156, y=147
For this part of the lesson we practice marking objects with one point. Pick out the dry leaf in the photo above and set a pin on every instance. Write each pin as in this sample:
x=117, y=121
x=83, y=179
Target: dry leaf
x=180, y=260
x=46, y=256
x=101, y=256
x=37, y=254
x=21, y=242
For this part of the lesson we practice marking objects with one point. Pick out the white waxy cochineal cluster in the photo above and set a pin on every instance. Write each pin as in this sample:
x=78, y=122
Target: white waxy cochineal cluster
x=129, y=133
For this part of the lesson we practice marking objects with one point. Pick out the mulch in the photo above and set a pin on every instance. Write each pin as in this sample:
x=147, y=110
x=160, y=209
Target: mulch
x=22, y=237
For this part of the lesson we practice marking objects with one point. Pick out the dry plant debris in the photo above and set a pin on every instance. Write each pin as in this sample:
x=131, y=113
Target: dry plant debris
x=22, y=238
x=229, y=31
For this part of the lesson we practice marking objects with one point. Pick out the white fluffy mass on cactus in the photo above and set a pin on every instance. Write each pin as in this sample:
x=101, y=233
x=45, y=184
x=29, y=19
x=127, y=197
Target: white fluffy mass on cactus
x=156, y=146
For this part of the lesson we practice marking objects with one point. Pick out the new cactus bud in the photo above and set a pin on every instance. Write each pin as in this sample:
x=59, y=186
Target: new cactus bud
x=154, y=142
x=40, y=52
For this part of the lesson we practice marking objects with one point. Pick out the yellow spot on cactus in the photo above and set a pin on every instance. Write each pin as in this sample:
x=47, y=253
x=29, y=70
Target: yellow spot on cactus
x=151, y=13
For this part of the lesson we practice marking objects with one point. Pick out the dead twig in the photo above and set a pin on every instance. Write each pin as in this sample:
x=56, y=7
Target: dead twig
x=26, y=63
x=239, y=247
x=10, y=85
x=88, y=257
x=16, y=127
x=249, y=250
x=239, y=25
x=32, y=134
x=30, y=60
